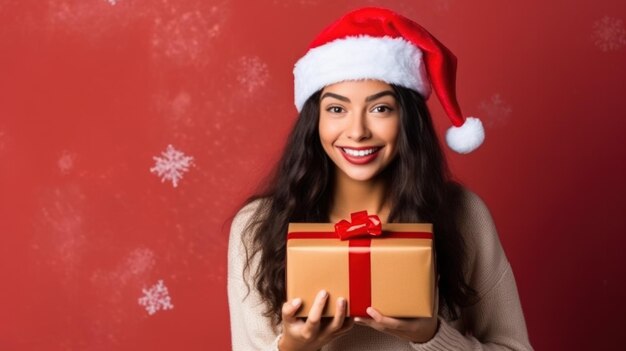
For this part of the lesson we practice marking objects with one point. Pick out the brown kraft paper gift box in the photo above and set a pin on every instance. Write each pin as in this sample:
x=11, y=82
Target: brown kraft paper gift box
x=399, y=282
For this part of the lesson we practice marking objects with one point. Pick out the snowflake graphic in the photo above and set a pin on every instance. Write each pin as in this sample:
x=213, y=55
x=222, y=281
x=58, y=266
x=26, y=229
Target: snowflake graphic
x=252, y=73
x=609, y=34
x=156, y=298
x=172, y=165
x=66, y=162
x=496, y=111
x=185, y=36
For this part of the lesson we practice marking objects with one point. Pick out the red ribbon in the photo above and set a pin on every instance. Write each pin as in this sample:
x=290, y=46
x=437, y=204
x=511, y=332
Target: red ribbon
x=360, y=233
x=360, y=273
x=362, y=225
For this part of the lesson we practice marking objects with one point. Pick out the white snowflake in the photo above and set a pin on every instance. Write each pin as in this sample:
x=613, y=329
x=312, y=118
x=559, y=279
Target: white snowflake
x=495, y=111
x=185, y=36
x=252, y=73
x=66, y=162
x=609, y=34
x=172, y=165
x=156, y=298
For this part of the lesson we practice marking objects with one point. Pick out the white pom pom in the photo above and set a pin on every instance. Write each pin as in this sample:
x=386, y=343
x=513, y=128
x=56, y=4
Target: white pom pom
x=466, y=138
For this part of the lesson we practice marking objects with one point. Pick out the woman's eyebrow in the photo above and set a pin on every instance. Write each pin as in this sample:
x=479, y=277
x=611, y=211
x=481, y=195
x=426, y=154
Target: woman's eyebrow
x=367, y=99
x=336, y=96
x=379, y=95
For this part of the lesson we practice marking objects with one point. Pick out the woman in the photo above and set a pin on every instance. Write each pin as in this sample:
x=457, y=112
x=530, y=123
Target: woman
x=364, y=140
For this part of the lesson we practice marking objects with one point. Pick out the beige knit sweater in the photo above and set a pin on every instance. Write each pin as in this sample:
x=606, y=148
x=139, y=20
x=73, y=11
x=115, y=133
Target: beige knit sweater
x=495, y=322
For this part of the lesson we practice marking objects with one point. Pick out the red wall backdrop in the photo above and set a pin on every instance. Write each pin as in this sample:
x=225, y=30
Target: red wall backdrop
x=92, y=92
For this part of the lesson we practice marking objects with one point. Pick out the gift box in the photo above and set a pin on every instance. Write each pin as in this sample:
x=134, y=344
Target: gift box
x=387, y=266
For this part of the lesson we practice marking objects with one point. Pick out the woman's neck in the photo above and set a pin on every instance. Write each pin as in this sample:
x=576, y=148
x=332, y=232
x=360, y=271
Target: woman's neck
x=352, y=195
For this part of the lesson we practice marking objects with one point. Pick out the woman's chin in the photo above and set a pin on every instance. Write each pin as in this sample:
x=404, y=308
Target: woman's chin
x=361, y=176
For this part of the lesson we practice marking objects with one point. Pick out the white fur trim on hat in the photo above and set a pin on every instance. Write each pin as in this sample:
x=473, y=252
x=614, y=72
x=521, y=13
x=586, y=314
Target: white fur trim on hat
x=392, y=60
x=466, y=138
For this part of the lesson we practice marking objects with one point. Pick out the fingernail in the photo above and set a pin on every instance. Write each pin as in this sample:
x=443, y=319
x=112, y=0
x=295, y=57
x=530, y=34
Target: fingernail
x=341, y=301
x=357, y=319
x=322, y=294
x=296, y=301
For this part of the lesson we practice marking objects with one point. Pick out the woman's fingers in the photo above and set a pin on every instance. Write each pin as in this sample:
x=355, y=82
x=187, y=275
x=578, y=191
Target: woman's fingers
x=311, y=332
x=290, y=308
x=315, y=313
x=412, y=329
x=386, y=322
x=340, y=315
x=369, y=322
x=381, y=322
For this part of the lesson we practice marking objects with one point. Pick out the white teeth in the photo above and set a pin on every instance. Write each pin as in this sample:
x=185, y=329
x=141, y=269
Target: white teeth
x=359, y=153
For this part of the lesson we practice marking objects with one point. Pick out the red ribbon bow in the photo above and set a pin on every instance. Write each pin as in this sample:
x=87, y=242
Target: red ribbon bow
x=362, y=225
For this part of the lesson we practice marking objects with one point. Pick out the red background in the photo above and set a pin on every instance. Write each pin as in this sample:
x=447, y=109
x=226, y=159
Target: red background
x=92, y=90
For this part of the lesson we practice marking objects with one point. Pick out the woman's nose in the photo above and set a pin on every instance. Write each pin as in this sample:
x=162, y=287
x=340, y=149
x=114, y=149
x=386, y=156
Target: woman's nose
x=357, y=129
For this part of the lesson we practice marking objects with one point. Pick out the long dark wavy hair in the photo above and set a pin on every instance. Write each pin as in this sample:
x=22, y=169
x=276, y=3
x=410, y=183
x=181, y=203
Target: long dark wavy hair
x=299, y=189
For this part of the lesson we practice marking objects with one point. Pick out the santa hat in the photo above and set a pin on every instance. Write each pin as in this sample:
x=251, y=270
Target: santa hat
x=377, y=43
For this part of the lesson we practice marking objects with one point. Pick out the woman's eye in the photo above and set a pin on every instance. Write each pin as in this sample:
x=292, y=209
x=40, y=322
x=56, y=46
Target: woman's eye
x=382, y=109
x=335, y=109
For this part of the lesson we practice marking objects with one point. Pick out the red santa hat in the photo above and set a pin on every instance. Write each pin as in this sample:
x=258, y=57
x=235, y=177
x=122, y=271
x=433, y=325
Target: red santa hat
x=377, y=43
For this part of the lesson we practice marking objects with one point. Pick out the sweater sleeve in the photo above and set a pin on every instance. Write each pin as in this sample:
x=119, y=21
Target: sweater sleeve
x=496, y=320
x=250, y=330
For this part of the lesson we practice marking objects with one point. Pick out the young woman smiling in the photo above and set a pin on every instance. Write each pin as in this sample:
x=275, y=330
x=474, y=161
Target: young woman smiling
x=357, y=129
x=364, y=140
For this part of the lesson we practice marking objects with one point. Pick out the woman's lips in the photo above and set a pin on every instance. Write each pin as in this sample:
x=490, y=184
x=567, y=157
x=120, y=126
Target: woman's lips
x=360, y=160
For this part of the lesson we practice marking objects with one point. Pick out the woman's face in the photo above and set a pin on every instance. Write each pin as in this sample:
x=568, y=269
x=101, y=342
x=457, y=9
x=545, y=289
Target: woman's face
x=359, y=124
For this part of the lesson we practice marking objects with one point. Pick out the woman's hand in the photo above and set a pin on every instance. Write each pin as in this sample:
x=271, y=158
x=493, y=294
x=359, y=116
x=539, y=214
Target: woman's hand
x=418, y=330
x=312, y=333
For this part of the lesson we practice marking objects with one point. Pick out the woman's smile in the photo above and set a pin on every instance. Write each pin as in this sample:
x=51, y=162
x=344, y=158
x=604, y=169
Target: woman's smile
x=360, y=155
